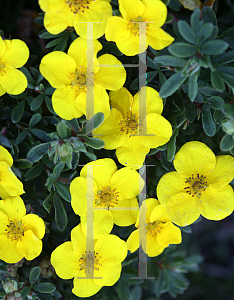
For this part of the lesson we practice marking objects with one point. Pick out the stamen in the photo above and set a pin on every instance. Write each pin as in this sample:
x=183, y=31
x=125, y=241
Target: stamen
x=15, y=230
x=196, y=185
x=107, y=197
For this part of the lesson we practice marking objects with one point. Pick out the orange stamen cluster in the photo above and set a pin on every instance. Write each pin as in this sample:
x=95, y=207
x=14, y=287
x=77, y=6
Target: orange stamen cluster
x=90, y=262
x=129, y=124
x=78, y=6
x=15, y=230
x=133, y=26
x=196, y=185
x=79, y=80
x=106, y=197
x=154, y=228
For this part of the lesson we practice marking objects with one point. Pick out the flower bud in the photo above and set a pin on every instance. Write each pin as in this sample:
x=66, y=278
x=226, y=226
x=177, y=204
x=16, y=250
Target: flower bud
x=10, y=286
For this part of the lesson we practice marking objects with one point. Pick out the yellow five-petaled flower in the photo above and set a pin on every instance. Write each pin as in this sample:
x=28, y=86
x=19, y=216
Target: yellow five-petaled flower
x=13, y=54
x=20, y=234
x=200, y=185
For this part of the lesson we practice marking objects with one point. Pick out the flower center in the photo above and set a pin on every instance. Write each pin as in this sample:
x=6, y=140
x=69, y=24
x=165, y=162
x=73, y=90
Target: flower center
x=153, y=228
x=15, y=230
x=106, y=197
x=78, y=6
x=134, y=27
x=2, y=66
x=79, y=80
x=129, y=124
x=90, y=261
x=196, y=185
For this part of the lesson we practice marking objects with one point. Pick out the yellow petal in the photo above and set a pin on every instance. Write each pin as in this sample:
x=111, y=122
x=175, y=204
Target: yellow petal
x=110, y=131
x=133, y=241
x=13, y=81
x=16, y=54
x=80, y=56
x=132, y=153
x=159, y=131
x=130, y=46
x=151, y=247
x=102, y=223
x=35, y=224
x=110, y=78
x=79, y=194
x=121, y=100
x=216, y=204
x=2, y=91
x=85, y=287
x=6, y=156
x=4, y=221
x=56, y=22
x=194, y=158
x=51, y=5
x=65, y=261
x=107, y=274
x=153, y=102
x=57, y=67
x=146, y=209
x=170, y=234
x=126, y=217
x=112, y=249
x=63, y=100
x=223, y=172
x=13, y=207
x=155, y=11
x=99, y=11
x=78, y=240
x=158, y=38
x=116, y=29
x=30, y=246
x=183, y=209
x=159, y=213
x=8, y=250
x=128, y=183
x=131, y=9
x=170, y=184
x=103, y=170
x=2, y=46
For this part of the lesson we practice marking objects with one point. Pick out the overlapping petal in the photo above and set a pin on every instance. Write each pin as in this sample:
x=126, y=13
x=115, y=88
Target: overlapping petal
x=128, y=216
x=2, y=46
x=155, y=11
x=35, y=224
x=6, y=156
x=13, y=207
x=121, y=100
x=52, y=5
x=116, y=29
x=56, y=22
x=16, y=53
x=170, y=234
x=131, y=9
x=8, y=250
x=157, y=38
x=30, y=246
x=13, y=81
x=130, y=46
x=85, y=287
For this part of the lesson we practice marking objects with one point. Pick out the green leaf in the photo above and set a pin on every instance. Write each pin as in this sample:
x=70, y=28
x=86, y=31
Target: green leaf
x=207, y=121
x=208, y=15
x=186, y=229
x=182, y=49
x=18, y=111
x=63, y=191
x=55, y=42
x=187, y=32
x=216, y=81
x=214, y=47
x=152, y=63
x=62, y=45
x=34, y=171
x=226, y=70
x=21, y=136
x=34, y=275
x=195, y=21
x=175, y=5
x=190, y=112
x=48, y=201
x=61, y=128
x=37, y=152
x=169, y=60
x=166, y=2
x=60, y=213
x=228, y=79
x=47, y=35
x=193, y=86
x=224, y=58
x=58, y=170
x=93, y=123
x=205, y=32
x=215, y=102
x=41, y=134
x=23, y=163
x=149, y=76
x=165, y=163
x=28, y=75
x=25, y=291
x=95, y=143
x=160, y=282
x=49, y=105
x=36, y=118
x=178, y=280
x=37, y=102
x=172, y=84
x=218, y=116
x=44, y=287
x=172, y=145
x=227, y=143
x=123, y=291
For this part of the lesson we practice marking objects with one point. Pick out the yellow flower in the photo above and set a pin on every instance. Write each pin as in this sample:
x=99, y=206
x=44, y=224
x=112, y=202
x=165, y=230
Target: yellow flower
x=120, y=130
x=10, y=185
x=20, y=234
x=59, y=14
x=13, y=54
x=110, y=191
x=157, y=232
x=200, y=185
x=68, y=74
x=71, y=260
x=125, y=31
